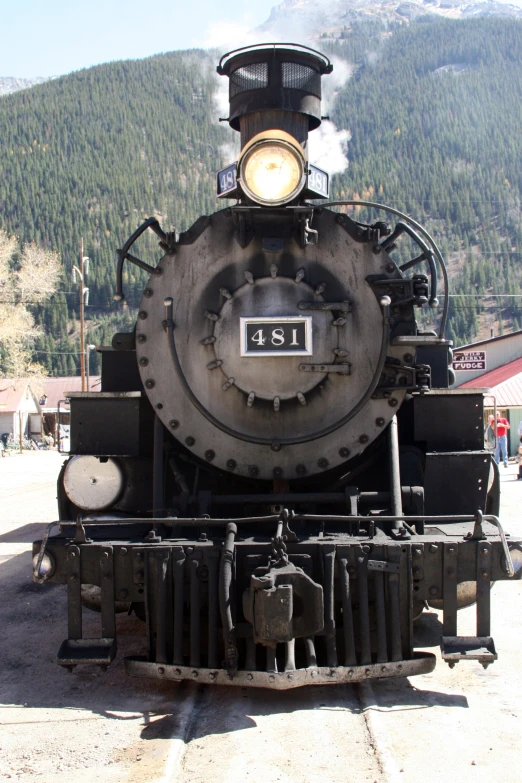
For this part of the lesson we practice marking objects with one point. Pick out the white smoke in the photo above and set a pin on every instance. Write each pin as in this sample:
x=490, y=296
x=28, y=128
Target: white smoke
x=230, y=150
x=373, y=58
x=220, y=96
x=327, y=148
x=331, y=84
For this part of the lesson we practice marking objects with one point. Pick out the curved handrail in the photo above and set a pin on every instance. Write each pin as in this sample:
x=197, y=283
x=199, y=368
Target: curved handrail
x=415, y=224
x=328, y=67
x=123, y=254
x=493, y=520
x=37, y=577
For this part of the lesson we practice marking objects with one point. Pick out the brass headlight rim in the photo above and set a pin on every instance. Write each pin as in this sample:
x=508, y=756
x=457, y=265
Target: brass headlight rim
x=282, y=139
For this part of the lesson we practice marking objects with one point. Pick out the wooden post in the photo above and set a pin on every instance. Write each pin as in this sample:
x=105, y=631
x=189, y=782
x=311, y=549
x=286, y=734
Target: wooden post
x=20, y=430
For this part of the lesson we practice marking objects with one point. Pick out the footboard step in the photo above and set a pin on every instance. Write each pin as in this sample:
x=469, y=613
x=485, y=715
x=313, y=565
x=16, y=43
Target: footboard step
x=100, y=652
x=468, y=648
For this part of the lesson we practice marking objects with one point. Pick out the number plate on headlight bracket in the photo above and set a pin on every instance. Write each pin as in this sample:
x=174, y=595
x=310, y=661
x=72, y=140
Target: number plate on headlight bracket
x=276, y=336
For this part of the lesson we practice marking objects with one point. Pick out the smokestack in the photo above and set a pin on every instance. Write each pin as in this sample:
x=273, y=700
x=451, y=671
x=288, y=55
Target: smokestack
x=274, y=86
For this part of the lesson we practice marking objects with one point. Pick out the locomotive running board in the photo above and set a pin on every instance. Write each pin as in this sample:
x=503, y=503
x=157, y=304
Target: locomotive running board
x=468, y=648
x=421, y=663
x=100, y=652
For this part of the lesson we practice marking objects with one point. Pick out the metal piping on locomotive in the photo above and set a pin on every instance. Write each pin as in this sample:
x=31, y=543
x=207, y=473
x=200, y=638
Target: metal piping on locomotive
x=263, y=478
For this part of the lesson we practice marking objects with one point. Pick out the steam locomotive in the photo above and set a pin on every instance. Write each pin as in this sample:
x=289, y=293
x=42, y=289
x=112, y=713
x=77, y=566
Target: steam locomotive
x=276, y=476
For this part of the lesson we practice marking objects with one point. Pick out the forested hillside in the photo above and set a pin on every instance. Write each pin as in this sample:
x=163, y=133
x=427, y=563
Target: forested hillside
x=92, y=155
x=435, y=118
x=434, y=114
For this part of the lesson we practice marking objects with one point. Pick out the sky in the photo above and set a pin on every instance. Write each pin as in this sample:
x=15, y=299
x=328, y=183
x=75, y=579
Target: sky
x=54, y=37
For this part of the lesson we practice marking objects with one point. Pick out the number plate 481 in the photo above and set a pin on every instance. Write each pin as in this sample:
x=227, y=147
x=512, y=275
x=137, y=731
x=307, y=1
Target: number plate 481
x=283, y=336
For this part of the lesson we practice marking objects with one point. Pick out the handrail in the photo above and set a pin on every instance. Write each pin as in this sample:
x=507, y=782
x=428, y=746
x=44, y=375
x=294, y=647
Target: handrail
x=327, y=68
x=425, y=234
x=123, y=254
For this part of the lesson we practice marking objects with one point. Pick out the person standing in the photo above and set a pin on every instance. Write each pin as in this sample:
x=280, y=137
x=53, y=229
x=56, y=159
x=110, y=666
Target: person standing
x=489, y=434
x=501, y=426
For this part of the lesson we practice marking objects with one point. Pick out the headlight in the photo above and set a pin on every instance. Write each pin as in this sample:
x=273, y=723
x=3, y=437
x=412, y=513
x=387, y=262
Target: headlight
x=47, y=566
x=272, y=168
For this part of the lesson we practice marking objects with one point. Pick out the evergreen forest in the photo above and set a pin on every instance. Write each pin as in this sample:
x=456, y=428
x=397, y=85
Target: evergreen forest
x=433, y=109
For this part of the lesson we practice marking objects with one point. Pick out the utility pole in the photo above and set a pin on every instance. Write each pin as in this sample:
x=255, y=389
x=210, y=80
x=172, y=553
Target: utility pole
x=82, y=270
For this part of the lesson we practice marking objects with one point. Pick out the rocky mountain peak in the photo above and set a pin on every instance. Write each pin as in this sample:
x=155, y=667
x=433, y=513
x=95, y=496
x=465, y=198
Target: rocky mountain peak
x=323, y=18
x=10, y=84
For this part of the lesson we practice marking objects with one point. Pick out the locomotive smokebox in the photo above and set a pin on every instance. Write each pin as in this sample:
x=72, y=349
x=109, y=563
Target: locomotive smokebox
x=274, y=86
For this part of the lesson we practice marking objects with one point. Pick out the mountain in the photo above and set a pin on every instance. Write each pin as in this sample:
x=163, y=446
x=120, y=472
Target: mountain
x=424, y=109
x=316, y=19
x=10, y=84
x=432, y=109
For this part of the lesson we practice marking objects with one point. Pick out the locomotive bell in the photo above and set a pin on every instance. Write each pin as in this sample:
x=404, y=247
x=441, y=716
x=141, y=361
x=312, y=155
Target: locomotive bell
x=275, y=100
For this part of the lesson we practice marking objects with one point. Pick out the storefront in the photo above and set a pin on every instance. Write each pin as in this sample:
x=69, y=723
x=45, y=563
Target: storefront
x=20, y=412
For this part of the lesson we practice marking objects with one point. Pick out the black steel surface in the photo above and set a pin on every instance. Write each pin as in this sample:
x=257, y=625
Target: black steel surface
x=445, y=422
x=456, y=482
x=120, y=370
x=105, y=426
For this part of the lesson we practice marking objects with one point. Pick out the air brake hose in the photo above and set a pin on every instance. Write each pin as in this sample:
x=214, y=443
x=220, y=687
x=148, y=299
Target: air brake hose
x=225, y=604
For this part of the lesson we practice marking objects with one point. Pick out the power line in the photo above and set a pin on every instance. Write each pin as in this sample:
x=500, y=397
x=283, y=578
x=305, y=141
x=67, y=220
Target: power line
x=93, y=305
x=58, y=353
x=487, y=296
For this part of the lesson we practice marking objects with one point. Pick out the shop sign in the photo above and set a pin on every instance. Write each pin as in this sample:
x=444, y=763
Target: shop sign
x=469, y=360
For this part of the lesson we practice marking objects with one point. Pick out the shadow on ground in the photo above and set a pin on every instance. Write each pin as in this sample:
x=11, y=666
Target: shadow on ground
x=24, y=534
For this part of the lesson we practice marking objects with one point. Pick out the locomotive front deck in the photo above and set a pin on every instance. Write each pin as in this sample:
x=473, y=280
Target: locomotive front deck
x=336, y=605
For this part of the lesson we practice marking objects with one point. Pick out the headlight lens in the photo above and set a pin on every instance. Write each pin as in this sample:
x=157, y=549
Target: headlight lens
x=272, y=170
x=47, y=566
